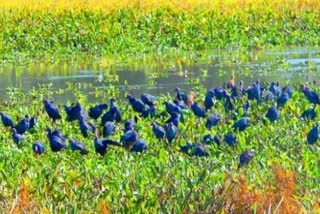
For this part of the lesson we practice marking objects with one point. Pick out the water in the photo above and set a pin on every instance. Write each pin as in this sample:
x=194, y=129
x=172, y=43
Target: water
x=300, y=64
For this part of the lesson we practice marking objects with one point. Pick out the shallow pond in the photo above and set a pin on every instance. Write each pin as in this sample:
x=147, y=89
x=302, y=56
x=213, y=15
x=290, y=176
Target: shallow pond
x=157, y=76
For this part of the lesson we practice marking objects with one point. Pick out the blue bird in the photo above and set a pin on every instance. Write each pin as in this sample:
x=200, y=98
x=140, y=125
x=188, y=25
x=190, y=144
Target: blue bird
x=108, y=129
x=6, y=120
x=73, y=112
x=245, y=157
x=158, y=131
x=151, y=111
x=128, y=138
x=139, y=146
x=234, y=91
x=275, y=89
x=219, y=92
x=171, y=131
x=229, y=103
x=241, y=124
x=198, y=110
x=96, y=111
x=16, y=137
x=209, y=99
x=254, y=91
x=179, y=103
x=181, y=96
x=209, y=139
x=147, y=99
x=199, y=150
x=23, y=125
x=77, y=145
x=241, y=88
x=108, y=141
x=282, y=99
x=186, y=148
x=230, y=139
x=272, y=114
x=172, y=108
x=51, y=109
x=129, y=125
x=115, y=109
x=112, y=115
x=37, y=148
x=86, y=127
x=310, y=94
x=99, y=146
x=313, y=134
x=287, y=89
x=32, y=122
x=137, y=104
x=309, y=114
x=175, y=119
x=213, y=120
x=56, y=139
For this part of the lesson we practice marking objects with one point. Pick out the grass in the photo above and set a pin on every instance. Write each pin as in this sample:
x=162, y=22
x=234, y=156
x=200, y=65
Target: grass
x=115, y=28
x=162, y=179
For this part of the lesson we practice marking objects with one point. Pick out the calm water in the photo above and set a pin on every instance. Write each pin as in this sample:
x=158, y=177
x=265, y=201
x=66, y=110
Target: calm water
x=157, y=77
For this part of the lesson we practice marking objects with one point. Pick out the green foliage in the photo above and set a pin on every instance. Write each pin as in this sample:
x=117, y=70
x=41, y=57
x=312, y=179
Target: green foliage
x=160, y=180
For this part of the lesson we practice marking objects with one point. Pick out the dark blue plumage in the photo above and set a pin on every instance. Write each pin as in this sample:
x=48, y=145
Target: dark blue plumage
x=171, y=131
x=23, y=125
x=158, y=131
x=230, y=139
x=96, y=111
x=109, y=116
x=108, y=129
x=275, y=89
x=209, y=139
x=73, y=112
x=137, y=104
x=311, y=95
x=241, y=124
x=309, y=114
x=37, y=148
x=282, y=99
x=115, y=109
x=199, y=150
x=33, y=122
x=313, y=134
x=86, y=127
x=209, y=99
x=128, y=138
x=172, y=107
x=198, y=110
x=174, y=118
x=219, y=92
x=150, y=111
x=272, y=114
x=287, y=89
x=52, y=110
x=229, y=103
x=213, y=120
x=139, y=146
x=245, y=157
x=99, y=146
x=147, y=99
x=16, y=137
x=128, y=125
x=181, y=96
x=6, y=120
x=56, y=139
x=186, y=148
x=78, y=146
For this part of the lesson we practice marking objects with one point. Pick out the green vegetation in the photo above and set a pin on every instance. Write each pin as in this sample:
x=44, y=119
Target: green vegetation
x=129, y=31
x=162, y=179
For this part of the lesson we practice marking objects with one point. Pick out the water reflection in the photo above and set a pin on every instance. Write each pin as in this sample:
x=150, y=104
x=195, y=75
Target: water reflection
x=158, y=77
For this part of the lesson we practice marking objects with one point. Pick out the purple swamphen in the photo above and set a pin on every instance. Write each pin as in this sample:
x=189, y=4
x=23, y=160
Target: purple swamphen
x=139, y=146
x=128, y=138
x=96, y=111
x=56, y=139
x=37, y=148
x=108, y=129
x=313, y=134
x=6, y=120
x=86, y=127
x=171, y=131
x=230, y=139
x=51, y=109
x=308, y=114
x=23, y=125
x=78, y=146
x=158, y=131
x=147, y=99
x=245, y=157
x=241, y=124
x=213, y=120
x=16, y=136
x=198, y=110
x=137, y=104
x=272, y=114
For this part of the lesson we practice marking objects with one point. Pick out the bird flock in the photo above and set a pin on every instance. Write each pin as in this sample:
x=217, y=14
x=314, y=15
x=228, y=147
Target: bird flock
x=99, y=121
